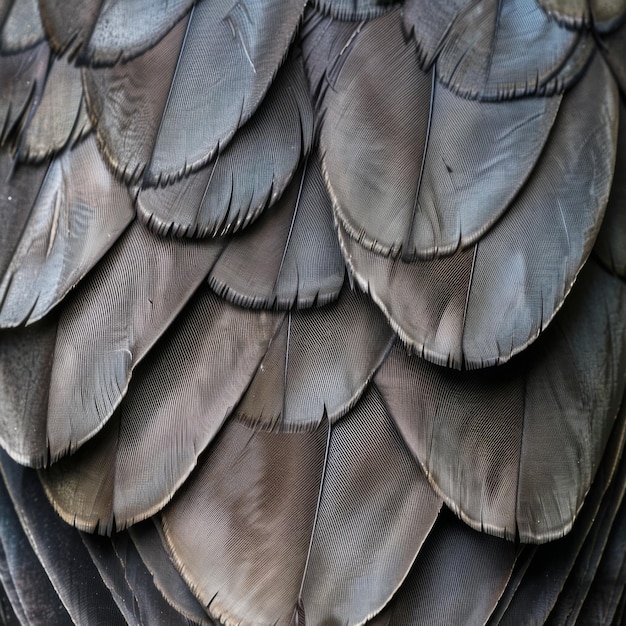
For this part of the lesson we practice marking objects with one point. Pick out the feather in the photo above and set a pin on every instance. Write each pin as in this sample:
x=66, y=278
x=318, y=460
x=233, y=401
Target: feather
x=483, y=305
x=613, y=47
x=149, y=542
x=21, y=28
x=409, y=175
x=229, y=57
x=35, y=598
x=59, y=549
x=236, y=187
x=201, y=368
x=60, y=118
x=304, y=376
x=135, y=90
x=488, y=445
x=457, y=578
x=354, y=9
x=290, y=256
x=376, y=509
x=430, y=23
x=110, y=323
x=125, y=29
x=22, y=79
x=609, y=582
x=150, y=607
x=257, y=492
x=68, y=25
x=610, y=245
x=79, y=213
x=544, y=579
x=604, y=15
x=501, y=49
x=27, y=356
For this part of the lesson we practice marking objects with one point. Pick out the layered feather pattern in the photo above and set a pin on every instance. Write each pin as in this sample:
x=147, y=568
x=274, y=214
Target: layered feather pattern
x=312, y=313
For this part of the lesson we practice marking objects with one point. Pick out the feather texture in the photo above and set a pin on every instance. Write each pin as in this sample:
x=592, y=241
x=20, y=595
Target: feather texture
x=202, y=367
x=497, y=477
x=290, y=256
x=483, y=305
x=59, y=549
x=498, y=49
x=354, y=9
x=233, y=190
x=409, y=174
x=258, y=491
x=21, y=28
x=137, y=90
x=126, y=303
x=602, y=14
x=370, y=524
x=304, y=376
x=78, y=214
x=229, y=56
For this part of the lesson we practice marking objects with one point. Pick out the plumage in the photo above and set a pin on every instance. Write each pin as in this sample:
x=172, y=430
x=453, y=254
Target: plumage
x=290, y=256
x=304, y=376
x=189, y=410
x=228, y=59
x=235, y=188
x=79, y=212
x=312, y=312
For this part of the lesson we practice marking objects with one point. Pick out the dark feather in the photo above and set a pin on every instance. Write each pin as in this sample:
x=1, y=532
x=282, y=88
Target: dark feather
x=22, y=79
x=60, y=117
x=488, y=444
x=354, y=9
x=552, y=563
x=124, y=30
x=258, y=492
x=201, y=369
x=35, y=598
x=318, y=364
x=21, y=28
x=27, y=356
x=409, y=174
x=124, y=305
x=229, y=57
x=60, y=550
x=498, y=49
x=610, y=246
x=233, y=190
x=149, y=541
x=290, y=256
x=458, y=577
x=481, y=306
x=68, y=25
x=137, y=90
x=369, y=526
x=602, y=14
x=78, y=214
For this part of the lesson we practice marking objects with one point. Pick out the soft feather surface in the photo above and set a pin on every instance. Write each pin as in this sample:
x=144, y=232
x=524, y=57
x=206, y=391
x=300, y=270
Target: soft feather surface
x=312, y=313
